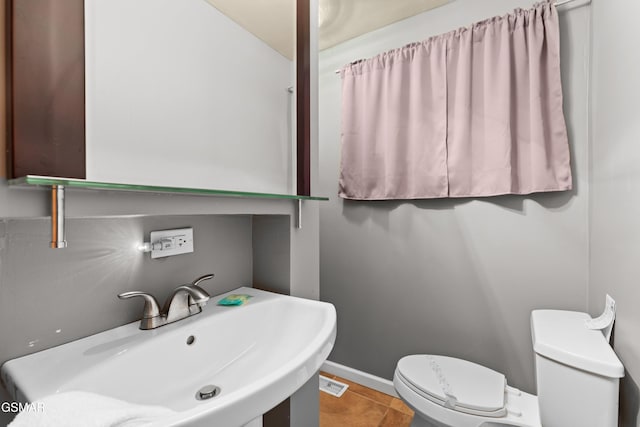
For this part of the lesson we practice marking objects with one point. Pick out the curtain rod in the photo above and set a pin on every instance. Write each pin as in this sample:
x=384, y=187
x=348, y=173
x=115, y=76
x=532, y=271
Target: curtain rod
x=556, y=4
x=560, y=3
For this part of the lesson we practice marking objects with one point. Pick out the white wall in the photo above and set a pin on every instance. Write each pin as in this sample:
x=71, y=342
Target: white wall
x=179, y=95
x=455, y=277
x=615, y=184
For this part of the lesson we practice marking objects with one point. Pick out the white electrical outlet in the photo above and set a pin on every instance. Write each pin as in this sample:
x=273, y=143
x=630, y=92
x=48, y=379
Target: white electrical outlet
x=171, y=242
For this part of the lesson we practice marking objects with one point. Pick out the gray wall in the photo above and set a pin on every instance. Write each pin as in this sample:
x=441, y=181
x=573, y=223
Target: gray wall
x=95, y=240
x=271, y=254
x=615, y=185
x=74, y=289
x=455, y=277
x=49, y=297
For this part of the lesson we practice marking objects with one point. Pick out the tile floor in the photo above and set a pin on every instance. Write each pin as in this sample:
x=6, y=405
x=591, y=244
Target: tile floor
x=360, y=406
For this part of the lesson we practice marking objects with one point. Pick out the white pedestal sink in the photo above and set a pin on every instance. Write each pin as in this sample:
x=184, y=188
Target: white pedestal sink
x=257, y=354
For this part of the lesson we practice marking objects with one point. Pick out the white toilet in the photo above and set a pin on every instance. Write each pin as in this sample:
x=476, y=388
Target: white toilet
x=577, y=376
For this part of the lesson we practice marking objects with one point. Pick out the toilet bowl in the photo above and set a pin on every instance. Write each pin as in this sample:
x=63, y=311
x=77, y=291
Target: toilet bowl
x=577, y=377
x=482, y=395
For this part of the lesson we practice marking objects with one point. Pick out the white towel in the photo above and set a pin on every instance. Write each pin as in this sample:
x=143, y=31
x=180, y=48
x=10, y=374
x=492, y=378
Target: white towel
x=82, y=409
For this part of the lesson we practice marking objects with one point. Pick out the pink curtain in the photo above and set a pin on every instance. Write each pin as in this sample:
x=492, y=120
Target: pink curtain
x=474, y=112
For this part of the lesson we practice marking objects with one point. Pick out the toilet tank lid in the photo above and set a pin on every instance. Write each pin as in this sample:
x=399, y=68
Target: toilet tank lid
x=563, y=336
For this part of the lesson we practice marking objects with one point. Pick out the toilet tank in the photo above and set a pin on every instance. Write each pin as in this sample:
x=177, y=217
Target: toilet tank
x=577, y=371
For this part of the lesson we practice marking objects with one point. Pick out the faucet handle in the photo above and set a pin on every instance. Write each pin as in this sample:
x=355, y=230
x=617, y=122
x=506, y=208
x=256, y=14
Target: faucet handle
x=202, y=279
x=151, y=308
x=202, y=294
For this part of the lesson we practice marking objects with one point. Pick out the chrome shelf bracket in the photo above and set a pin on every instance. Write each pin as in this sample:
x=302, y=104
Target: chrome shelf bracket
x=299, y=214
x=58, y=240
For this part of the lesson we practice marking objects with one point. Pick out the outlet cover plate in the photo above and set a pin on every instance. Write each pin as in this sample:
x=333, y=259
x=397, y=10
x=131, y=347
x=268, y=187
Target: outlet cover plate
x=181, y=242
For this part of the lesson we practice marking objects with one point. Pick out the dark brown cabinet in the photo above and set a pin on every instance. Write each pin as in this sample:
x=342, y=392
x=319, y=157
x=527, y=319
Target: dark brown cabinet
x=45, y=88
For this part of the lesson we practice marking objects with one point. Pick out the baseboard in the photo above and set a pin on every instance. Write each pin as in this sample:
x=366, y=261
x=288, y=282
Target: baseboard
x=382, y=385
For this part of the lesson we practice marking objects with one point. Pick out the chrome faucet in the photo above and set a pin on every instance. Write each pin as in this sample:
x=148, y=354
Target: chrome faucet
x=185, y=301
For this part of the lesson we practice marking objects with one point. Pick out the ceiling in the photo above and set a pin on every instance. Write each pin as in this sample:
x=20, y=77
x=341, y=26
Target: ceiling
x=272, y=21
x=339, y=20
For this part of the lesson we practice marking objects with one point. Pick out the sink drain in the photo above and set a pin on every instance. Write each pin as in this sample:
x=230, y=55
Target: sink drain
x=207, y=392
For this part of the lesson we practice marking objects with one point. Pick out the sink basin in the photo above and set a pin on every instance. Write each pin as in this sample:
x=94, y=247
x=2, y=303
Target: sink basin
x=258, y=354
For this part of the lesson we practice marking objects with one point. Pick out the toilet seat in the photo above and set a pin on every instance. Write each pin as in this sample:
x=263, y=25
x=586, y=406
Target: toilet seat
x=455, y=384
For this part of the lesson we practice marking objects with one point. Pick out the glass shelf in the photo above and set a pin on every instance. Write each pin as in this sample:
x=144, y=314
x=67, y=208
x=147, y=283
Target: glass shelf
x=36, y=180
